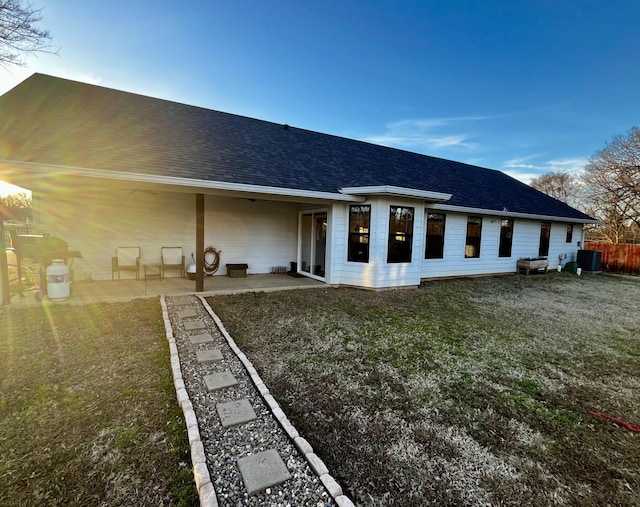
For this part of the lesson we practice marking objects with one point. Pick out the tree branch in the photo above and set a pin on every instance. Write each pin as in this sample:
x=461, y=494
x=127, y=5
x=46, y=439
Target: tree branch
x=19, y=34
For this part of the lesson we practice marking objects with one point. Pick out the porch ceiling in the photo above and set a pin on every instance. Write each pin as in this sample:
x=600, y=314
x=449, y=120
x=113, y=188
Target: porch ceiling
x=40, y=178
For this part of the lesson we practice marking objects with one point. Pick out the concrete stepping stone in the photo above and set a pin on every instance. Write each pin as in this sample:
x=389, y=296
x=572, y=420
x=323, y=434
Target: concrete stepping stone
x=263, y=470
x=235, y=412
x=191, y=325
x=209, y=355
x=185, y=314
x=219, y=381
x=197, y=339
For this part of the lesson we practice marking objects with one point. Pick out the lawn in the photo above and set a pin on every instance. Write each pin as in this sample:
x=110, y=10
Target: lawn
x=88, y=413
x=461, y=392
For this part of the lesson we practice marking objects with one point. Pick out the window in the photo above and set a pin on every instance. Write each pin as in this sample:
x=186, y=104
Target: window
x=435, y=236
x=569, y=233
x=506, y=238
x=545, y=232
x=400, y=234
x=474, y=233
x=359, y=217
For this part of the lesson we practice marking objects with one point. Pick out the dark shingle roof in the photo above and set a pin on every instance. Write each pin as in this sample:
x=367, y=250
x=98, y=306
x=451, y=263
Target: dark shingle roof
x=59, y=122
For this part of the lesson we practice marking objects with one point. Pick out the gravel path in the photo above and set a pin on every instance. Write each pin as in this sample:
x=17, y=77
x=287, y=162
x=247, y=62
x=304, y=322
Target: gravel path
x=224, y=446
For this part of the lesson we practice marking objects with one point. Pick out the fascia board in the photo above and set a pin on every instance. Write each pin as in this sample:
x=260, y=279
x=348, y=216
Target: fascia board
x=51, y=170
x=426, y=195
x=510, y=214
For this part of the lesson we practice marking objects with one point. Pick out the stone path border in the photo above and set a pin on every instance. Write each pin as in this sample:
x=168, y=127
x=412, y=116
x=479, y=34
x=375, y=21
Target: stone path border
x=206, y=492
x=202, y=478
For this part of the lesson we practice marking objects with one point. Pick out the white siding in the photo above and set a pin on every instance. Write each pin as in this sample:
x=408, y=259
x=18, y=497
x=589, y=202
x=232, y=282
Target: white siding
x=260, y=233
x=377, y=273
x=264, y=234
x=358, y=274
x=526, y=241
x=399, y=274
x=558, y=244
x=337, y=254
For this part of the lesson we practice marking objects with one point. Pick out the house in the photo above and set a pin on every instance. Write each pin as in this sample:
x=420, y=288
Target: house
x=109, y=168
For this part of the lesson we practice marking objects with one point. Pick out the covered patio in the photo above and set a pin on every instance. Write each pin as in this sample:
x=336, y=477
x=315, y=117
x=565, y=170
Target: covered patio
x=94, y=291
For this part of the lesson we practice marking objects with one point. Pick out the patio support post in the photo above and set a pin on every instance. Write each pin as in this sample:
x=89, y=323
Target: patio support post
x=199, y=242
x=4, y=268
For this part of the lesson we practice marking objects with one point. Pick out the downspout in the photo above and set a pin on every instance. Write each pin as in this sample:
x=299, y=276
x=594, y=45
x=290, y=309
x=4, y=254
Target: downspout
x=199, y=242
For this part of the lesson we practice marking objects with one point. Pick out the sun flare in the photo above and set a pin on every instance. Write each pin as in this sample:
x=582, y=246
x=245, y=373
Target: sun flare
x=8, y=189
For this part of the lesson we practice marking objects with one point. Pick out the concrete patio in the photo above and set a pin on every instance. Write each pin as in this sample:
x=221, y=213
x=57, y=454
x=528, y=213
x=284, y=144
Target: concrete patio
x=94, y=291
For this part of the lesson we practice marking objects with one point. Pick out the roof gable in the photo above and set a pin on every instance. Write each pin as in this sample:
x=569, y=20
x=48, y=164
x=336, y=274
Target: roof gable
x=54, y=121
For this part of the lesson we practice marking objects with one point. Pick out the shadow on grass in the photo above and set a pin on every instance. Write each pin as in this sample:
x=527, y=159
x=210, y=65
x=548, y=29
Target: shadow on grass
x=88, y=414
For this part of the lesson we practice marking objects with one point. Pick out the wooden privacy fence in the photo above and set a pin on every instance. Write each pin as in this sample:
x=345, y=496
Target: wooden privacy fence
x=618, y=258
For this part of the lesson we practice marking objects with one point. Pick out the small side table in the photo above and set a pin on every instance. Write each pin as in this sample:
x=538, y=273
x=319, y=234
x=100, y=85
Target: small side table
x=153, y=271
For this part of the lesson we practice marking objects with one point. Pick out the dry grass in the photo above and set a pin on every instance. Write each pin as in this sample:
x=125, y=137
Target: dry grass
x=462, y=392
x=87, y=408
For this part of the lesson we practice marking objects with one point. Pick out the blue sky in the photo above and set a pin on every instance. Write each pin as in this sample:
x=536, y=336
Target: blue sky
x=526, y=87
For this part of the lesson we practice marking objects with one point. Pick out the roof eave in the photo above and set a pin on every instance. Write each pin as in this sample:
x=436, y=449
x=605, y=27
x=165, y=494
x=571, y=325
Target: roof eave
x=507, y=213
x=414, y=193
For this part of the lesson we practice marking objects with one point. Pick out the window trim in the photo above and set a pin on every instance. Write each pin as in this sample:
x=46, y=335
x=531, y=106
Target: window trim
x=426, y=239
x=547, y=238
x=467, y=244
x=366, y=236
x=500, y=244
x=569, y=238
x=408, y=235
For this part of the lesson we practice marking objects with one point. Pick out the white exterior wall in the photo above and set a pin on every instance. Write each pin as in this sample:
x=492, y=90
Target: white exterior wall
x=400, y=274
x=337, y=254
x=377, y=273
x=558, y=243
x=260, y=233
x=96, y=224
x=264, y=234
x=526, y=241
x=358, y=274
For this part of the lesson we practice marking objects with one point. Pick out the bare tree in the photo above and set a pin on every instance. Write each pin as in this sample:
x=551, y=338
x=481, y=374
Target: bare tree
x=560, y=185
x=612, y=228
x=612, y=181
x=19, y=33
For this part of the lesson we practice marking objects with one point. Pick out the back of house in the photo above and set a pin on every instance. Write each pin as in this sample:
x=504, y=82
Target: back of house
x=112, y=169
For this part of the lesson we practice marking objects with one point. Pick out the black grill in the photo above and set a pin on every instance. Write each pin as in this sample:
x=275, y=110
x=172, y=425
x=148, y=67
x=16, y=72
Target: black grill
x=40, y=249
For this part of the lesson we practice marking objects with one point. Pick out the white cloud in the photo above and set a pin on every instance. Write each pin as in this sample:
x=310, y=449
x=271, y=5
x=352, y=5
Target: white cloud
x=83, y=77
x=521, y=175
x=527, y=168
x=522, y=162
x=428, y=123
x=425, y=133
x=447, y=141
x=419, y=140
x=572, y=165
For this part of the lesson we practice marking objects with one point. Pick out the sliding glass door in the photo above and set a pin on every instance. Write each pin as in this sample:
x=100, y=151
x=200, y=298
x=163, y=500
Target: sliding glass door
x=312, y=248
